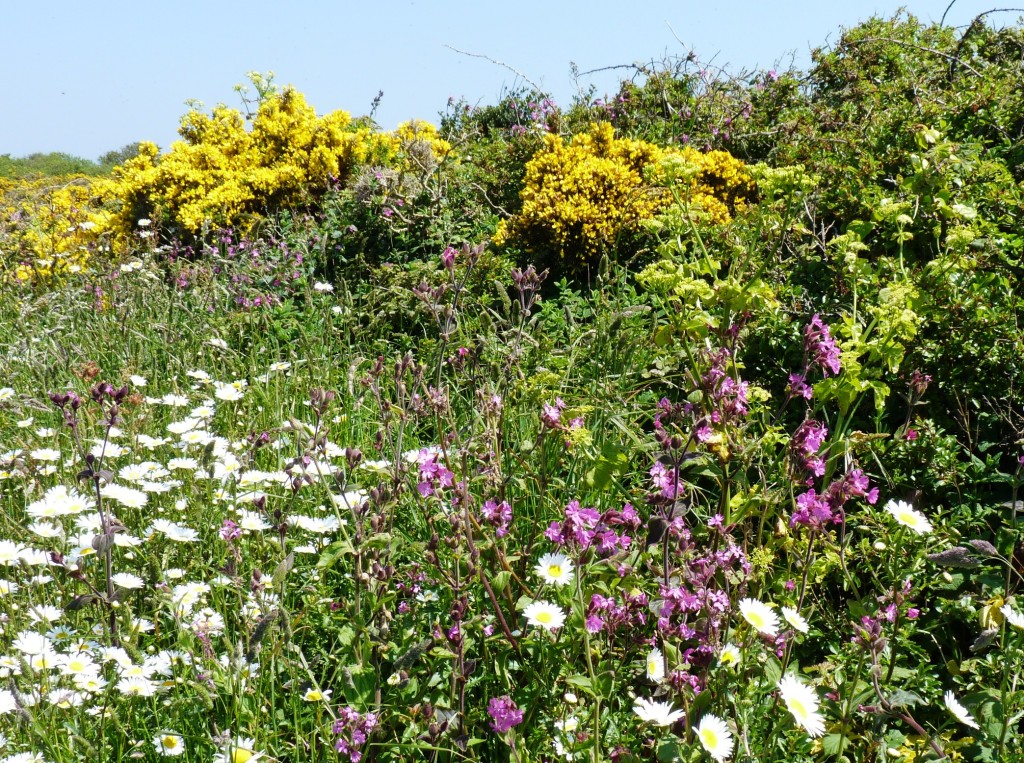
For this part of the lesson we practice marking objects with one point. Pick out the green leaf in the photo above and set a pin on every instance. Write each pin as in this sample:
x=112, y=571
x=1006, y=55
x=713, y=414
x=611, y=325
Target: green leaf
x=834, y=744
x=330, y=555
x=500, y=581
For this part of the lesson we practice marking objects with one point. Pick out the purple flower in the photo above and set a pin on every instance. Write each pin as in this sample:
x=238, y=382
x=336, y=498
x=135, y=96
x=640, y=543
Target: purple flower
x=806, y=442
x=505, y=714
x=497, y=514
x=798, y=386
x=551, y=414
x=821, y=348
x=353, y=730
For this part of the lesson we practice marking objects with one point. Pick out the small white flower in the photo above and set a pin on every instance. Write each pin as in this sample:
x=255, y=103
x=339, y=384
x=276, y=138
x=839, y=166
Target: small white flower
x=715, y=737
x=316, y=695
x=138, y=381
x=658, y=713
x=545, y=614
x=1014, y=618
x=127, y=580
x=908, y=516
x=655, y=665
x=761, y=616
x=802, y=702
x=795, y=619
x=554, y=569
x=322, y=287
x=729, y=656
x=169, y=745
x=959, y=711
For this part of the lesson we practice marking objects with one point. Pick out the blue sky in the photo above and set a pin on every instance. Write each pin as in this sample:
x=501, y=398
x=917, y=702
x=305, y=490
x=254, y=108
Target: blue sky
x=85, y=78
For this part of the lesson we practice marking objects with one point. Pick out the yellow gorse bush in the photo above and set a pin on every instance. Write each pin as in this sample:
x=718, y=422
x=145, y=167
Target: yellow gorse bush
x=223, y=172
x=580, y=197
x=51, y=226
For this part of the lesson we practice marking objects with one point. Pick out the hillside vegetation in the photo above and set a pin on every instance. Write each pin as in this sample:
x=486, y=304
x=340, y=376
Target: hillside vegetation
x=683, y=423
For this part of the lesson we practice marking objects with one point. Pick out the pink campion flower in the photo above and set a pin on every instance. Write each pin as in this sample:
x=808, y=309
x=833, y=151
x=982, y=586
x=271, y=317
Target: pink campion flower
x=448, y=258
x=911, y=435
x=804, y=445
x=812, y=510
x=230, y=531
x=504, y=713
x=353, y=730
x=821, y=348
x=551, y=415
x=798, y=387
x=555, y=534
x=497, y=514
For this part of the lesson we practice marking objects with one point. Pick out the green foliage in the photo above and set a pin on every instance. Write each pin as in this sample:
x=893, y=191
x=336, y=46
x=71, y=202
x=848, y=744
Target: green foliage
x=797, y=420
x=53, y=164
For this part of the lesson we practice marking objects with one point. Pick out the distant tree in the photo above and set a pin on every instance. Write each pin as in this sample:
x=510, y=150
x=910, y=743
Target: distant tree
x=45, y=165
x=120, y=155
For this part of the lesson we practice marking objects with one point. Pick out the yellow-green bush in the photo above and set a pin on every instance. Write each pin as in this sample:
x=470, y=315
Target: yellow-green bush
x=580, y=197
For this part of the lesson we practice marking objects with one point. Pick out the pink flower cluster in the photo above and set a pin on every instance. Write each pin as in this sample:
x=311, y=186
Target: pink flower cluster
x=821, y=348
x=804, y=447
x=606, y=614
x=817, y=511
x=498, y=515
x=504, y=713
x=583, y=528
x=433, y=474
x=353, y=730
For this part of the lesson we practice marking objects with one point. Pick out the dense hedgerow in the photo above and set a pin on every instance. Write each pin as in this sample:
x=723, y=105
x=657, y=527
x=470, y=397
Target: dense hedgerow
x=754, y=496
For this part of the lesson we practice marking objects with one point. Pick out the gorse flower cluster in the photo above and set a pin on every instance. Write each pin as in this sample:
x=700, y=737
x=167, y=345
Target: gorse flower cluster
x=582, y=196
x=225, y=172
x=51, y=226
x=222, y=174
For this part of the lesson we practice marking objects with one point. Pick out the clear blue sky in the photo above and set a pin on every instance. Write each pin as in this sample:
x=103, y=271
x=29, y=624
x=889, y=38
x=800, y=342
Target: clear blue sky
x=85, y=78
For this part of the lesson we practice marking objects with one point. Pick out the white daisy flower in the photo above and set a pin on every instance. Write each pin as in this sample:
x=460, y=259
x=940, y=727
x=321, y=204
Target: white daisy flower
x=658, y=713
x=655, y=665
x=1013, y=617
x=761, y=616
x=959, y=711
x=545, y=614
x=802, y=702
x=908, y=516
x=554, y=569
x=795, y=619
x=169, y=744
x=715, y=737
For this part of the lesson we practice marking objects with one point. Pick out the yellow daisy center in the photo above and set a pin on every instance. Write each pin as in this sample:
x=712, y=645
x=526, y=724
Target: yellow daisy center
x=169, y=742
x=755, y=619
x=241, y=756
x=555, y=570
x=908, y=518
x=709, y=738
x=544, y=617
x=797, y=708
